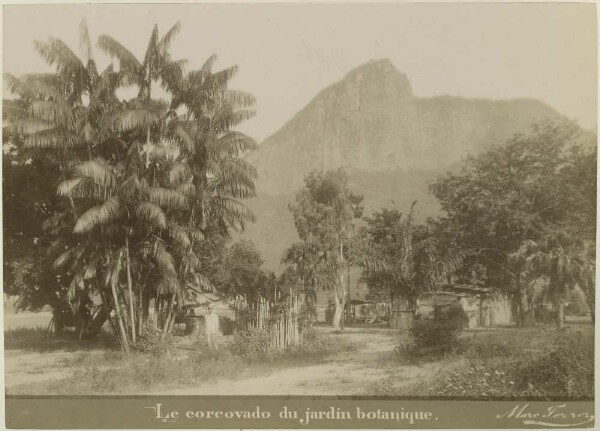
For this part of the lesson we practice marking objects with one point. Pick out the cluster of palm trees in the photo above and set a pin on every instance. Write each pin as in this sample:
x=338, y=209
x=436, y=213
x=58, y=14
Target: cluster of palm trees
x=561, y=262
x=146, y=181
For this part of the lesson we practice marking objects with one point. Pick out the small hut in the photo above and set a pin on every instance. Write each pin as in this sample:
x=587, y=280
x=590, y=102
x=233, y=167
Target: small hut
x=482, y=306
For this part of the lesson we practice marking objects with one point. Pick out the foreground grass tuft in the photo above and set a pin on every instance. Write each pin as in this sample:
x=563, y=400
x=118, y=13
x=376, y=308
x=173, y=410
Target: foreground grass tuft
x=502, y=364
x=118, y=373
x=40, y=340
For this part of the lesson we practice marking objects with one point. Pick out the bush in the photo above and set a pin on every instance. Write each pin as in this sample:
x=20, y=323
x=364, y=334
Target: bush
x=487, y=347
x=545, y=315
x=565, y=371
x=150, y=342
x=432, y=336
x=252, y=344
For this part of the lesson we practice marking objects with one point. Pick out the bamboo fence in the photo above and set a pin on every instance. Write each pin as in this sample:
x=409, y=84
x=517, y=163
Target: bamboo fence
x=279, y=320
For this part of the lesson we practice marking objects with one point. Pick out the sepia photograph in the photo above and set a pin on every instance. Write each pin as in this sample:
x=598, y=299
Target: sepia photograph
x=376, y=200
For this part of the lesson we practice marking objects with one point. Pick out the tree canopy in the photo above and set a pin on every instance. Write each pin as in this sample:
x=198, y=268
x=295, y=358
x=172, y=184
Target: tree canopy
x=142, y=184
x=519, y=192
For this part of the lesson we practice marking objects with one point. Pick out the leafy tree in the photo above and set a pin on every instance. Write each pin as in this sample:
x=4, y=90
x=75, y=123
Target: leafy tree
x=323, y=214
x=515, y=192
x=239, y=272
x=553, y=259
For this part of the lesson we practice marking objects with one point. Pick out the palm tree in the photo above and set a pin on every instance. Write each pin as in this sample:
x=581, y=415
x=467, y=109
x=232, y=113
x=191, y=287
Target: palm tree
x=139, y=215
x=125, y=210
x=586, y=276
x=211, y=167
x=156, y=65
x=555, y=259
x=307, y=270
x=413, y=261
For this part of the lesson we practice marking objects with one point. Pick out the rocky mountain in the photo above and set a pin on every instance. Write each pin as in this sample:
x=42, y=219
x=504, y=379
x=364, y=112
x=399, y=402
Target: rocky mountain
x=392, y=142
x=372, y=121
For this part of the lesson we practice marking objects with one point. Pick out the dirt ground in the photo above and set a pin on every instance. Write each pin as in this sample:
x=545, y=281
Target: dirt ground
x=342, y=374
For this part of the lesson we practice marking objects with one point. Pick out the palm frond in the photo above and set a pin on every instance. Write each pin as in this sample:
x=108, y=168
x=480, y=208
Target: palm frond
x=131, y=119
x=29, y=126
x=179, y=235
x=127, y=60
x=87, y=221
x=188, y=142
x=85, y=44
x=235, y=144
x=239, y=99
x=63, y=259
x=164, y=260
x=187, y=189
x=152, y=214
x=179, y=174
x=151, y=53
x=110, y=210
x=66, y=186
x=167, y=198
x=56, y=52
x=52, y=112
x=101, y=174
x=164, y=43
x=56, y=138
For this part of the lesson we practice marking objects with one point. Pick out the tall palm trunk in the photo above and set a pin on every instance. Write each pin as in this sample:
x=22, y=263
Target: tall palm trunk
x=167, y=326
x=141, y=312
x=560, y=310
x=130, y=289
x=124, y=342
x=525, y=316
x=560, y=314
x=340, y=292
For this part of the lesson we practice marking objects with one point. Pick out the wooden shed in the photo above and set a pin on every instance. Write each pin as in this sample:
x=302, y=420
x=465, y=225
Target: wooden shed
x=482, y=306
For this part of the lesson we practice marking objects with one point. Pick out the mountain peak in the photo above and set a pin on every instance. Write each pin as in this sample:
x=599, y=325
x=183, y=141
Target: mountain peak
x=370, y=121
x=383, y=74
x=375, y=66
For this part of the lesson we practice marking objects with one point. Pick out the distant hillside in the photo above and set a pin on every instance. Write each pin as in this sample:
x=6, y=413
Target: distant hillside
x=392, y=143
x=274, y=230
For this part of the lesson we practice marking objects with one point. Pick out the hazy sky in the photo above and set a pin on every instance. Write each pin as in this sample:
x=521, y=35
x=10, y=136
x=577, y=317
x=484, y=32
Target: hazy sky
x=289, y=52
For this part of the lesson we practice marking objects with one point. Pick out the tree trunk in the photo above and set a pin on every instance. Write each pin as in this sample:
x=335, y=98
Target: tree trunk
x=113, y=325
x=167, y=326
x=590, y=297
x=130, y=289
x=98, y=321
x=348, y=299
x=339, y=310
x=124, y=342
x=560, y=312
x=140, y=311
x=340, y=292
x=525, y=317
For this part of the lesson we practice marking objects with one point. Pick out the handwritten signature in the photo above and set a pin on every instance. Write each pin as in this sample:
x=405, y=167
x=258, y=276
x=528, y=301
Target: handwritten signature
x=557, y=415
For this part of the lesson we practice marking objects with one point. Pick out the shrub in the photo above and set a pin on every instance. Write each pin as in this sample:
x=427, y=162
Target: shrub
x=486, y=347
x=432, y=336
x=566, y=370
x=150, y=342
x=252, y=344
x=545, y=315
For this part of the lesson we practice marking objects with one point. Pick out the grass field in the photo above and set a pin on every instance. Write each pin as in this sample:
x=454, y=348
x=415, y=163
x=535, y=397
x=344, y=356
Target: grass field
x=364, y=360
